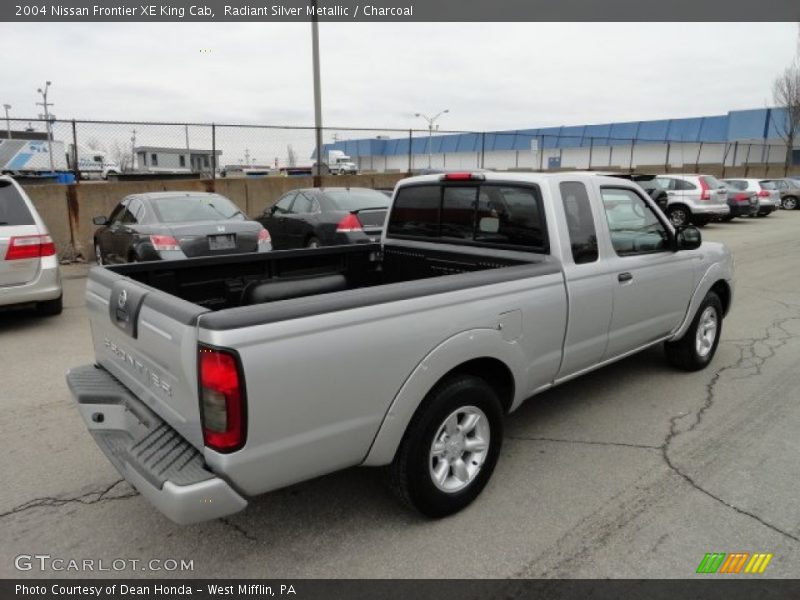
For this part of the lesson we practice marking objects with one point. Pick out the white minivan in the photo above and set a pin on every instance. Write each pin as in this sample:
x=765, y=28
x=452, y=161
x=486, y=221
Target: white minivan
x=29, y=271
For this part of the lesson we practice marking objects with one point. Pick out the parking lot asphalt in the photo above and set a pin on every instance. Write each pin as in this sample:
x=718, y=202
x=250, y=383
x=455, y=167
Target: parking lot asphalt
x=636, y=470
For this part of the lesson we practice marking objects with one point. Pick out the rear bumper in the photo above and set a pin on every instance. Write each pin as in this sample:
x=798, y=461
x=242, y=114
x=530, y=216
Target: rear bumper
x=148, y=453
x=46, y=286
x=743, y=210
x=710, y=210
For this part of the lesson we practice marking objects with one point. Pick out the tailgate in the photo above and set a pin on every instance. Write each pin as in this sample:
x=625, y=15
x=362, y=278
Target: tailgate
x=147, y=339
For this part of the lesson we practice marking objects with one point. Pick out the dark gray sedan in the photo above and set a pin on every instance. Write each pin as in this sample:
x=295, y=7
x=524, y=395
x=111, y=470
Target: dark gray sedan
x=172, y=225
x=313, y=217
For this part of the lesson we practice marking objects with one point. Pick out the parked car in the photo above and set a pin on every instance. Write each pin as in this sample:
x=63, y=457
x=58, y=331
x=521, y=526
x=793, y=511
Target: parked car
x=695, y=199
x=789, y=190
x=313, y=217
x=743, y=203
x=767, y=192
x=29, y=272
x=171, y=225
x=484, y=290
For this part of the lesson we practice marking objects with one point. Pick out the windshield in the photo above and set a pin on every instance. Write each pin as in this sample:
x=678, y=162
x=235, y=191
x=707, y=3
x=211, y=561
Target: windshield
x=175, y=209
x=357, y=199
x=13, y=210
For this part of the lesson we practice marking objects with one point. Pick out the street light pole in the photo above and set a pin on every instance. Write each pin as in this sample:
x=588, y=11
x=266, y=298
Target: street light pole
x=317, y=94
x=431, y=121
x=7, y=108
x=44, y=103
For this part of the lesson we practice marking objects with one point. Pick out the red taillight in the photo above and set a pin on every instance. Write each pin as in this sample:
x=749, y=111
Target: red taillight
x=221, y=400
x=349, y=224
x=30, y=246
x=164, y=242
x=763, y=194
x=264, y=237
x=462, y=177
x=705, y=194
x=740, y=197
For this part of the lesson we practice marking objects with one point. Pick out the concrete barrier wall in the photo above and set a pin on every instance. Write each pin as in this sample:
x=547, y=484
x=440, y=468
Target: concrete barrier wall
x=68, y=209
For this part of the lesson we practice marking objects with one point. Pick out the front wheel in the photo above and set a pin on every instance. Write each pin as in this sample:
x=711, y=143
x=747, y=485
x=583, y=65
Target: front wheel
x=313, y=242
x=789, y=203
x=679, y=216
x=450, y=448
x=697, y=347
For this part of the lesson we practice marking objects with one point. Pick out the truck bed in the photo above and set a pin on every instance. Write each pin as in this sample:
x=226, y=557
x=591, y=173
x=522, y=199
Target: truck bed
x=222, y=283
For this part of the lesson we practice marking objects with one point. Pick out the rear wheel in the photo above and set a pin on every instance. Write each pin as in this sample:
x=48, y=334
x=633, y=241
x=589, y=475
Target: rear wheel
x=697, y=347
x=450, y=448
x=679, y=215
x=789, y=203
x=313, y=242
x=50, y=308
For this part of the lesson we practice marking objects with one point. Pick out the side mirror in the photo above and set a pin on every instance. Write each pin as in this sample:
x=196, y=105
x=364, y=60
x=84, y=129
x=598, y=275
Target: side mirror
x=688, y=238
x=100, y=221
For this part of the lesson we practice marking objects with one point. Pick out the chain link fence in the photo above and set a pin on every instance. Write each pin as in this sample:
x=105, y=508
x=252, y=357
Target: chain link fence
x=85, y=150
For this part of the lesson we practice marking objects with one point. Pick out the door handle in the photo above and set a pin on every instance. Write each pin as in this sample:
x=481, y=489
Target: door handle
x=623, y=277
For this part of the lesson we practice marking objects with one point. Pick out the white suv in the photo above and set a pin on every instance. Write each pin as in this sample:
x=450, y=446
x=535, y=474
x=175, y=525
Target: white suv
x=28, y=263
x=695, y=199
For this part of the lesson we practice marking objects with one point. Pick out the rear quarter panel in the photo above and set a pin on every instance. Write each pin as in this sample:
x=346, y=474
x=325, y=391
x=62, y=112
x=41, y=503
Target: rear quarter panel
x=320, y=387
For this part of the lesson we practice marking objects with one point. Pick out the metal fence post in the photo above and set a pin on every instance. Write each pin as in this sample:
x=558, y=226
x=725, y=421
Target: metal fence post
x=213, y=151
x=630, y=162
x=697, y=162
x=666, y=159
x=75, y=170
x=747, y=161
x=541, y=153
x=483, y=148
x=591, y=151
x=410, y=137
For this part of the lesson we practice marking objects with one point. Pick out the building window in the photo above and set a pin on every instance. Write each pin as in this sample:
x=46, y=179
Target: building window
x=205, y=161
x=154, y=159
x=182, y=159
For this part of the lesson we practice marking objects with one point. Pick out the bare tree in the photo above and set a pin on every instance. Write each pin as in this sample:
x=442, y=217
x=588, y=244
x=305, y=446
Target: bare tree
x=786, y=95
x=120, y=154
x=292, y=156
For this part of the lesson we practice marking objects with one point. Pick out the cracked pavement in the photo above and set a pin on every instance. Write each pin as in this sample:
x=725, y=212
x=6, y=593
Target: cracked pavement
x=636, y=470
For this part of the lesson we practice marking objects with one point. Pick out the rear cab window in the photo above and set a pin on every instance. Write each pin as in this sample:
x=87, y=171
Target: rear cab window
x=503, y=215
x=13, y=209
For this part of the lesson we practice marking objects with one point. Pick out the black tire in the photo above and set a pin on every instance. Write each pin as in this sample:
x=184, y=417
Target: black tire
x=679, y=215
x=50, y=308
x=410, y=474
x=312, y=242
x=789, y=203
x=683, y=353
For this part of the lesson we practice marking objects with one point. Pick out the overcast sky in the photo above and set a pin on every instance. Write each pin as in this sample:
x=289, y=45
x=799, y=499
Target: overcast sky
x=490, y=76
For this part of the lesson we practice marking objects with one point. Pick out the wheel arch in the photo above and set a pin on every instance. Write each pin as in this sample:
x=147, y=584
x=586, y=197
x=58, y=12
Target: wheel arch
x=482, y=353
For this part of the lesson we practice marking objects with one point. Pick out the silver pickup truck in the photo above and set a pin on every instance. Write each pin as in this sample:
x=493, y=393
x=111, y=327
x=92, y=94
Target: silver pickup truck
x=217, y=379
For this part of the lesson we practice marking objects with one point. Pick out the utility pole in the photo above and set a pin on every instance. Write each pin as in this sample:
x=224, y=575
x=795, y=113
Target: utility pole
x=46, y=105
x=317, y=94
x=7, y=108
x=431, y=121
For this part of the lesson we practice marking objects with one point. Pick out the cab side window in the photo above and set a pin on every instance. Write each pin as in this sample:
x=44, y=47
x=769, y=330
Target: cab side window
x=580, y=222
x=634, y=227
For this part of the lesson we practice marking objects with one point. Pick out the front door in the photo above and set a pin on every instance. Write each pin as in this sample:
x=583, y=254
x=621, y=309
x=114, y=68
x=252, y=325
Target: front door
x=652, y=283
